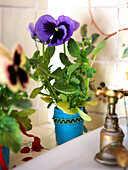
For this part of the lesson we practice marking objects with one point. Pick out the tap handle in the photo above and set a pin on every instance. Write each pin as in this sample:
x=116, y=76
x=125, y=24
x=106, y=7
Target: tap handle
x=126, y=93
x=111, y=93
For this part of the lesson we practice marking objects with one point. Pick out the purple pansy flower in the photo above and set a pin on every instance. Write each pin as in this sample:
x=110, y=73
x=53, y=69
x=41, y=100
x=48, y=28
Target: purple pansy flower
x=55, y=32
x=31, y=29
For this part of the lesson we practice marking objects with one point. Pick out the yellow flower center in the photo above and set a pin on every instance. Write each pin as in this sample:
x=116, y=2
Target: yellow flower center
x=56, y=29
x=16, y=68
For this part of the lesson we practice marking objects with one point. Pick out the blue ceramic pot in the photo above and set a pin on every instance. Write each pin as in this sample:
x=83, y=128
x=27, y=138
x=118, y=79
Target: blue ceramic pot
x=67, y=126
x=6, y=154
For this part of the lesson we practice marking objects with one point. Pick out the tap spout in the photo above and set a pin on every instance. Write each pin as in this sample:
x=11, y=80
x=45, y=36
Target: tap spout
x=119, y=152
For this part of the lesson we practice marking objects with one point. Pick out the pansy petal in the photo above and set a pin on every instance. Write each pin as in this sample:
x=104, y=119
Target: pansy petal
x=4, y=62
x=4, y=52
x=18, y=55
x=59, y=36
x=12, y=75
x=18, y=81
x=13, y=83
x=45, y=27
x=68, y=23
x=23, y=77
x=14, y=88
x=76, y=25
x=31, y=29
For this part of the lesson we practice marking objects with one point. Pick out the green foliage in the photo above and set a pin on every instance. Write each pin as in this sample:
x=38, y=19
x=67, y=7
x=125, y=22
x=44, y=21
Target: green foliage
x=73, y=48
x=99, y=47
x=90, y=72
x=84, y=30
x=10, y=134
x=94, y=37
x=66, y=87
x=64, y=60
x=35, y=92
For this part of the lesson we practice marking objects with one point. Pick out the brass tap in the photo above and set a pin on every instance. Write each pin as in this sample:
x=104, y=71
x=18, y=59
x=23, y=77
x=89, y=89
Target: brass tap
x=112, y=151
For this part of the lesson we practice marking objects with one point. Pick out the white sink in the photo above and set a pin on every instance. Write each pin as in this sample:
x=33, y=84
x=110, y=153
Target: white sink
x=77, y=154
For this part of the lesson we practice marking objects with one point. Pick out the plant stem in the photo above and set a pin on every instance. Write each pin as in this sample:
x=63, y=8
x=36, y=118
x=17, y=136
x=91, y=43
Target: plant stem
x=93, y=60
x=51, y=90
x=36, y=46
x=87, y=85
x=83, y=45
x=43, y=51
x=10, y=109
x=64, y=48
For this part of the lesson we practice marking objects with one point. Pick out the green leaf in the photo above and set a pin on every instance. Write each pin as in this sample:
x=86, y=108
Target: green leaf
x=66, y=89
x=49, y=105
x=84, y=30
x=58, y=72
x=26, y=123
x=35, y=75
x=99, y=47
x=22, y=103
x=90, y=73
x=72, y=68
x=10, y=134
x=83, y=115
x=74, y=81
x=47, y=99
x=82, y=81
x=73, y=48
x=26, y=112
x=88, y=50
x=22, y=117
x=91, y=103
x=94, y=37
x=36, y=54
x=35, y=92
x=63, y=97
x=48, y=54
x=64, y=106
x=44, y=72
x=34, y=61
x=64, y=59
x=125, y=53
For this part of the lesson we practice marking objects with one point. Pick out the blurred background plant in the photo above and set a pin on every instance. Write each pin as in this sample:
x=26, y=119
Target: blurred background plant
x=14, y=102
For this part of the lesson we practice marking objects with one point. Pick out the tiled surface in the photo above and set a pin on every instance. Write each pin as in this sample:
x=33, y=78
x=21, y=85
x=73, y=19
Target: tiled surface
x=42, y=4
x=97, y=120
x=109, y=15
x=102, y=17
x=123, y=41
x=95, y=3
x=123, y=82
x=104, y=74
x=18, y=3
x=14, y=28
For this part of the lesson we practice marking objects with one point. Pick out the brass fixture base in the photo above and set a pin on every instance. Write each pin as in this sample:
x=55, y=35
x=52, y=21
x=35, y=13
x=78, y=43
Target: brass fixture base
x=112, y=151
x=103, y=159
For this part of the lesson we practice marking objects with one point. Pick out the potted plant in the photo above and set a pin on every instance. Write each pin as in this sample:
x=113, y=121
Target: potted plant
x=13, y=80
x=67, y=86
